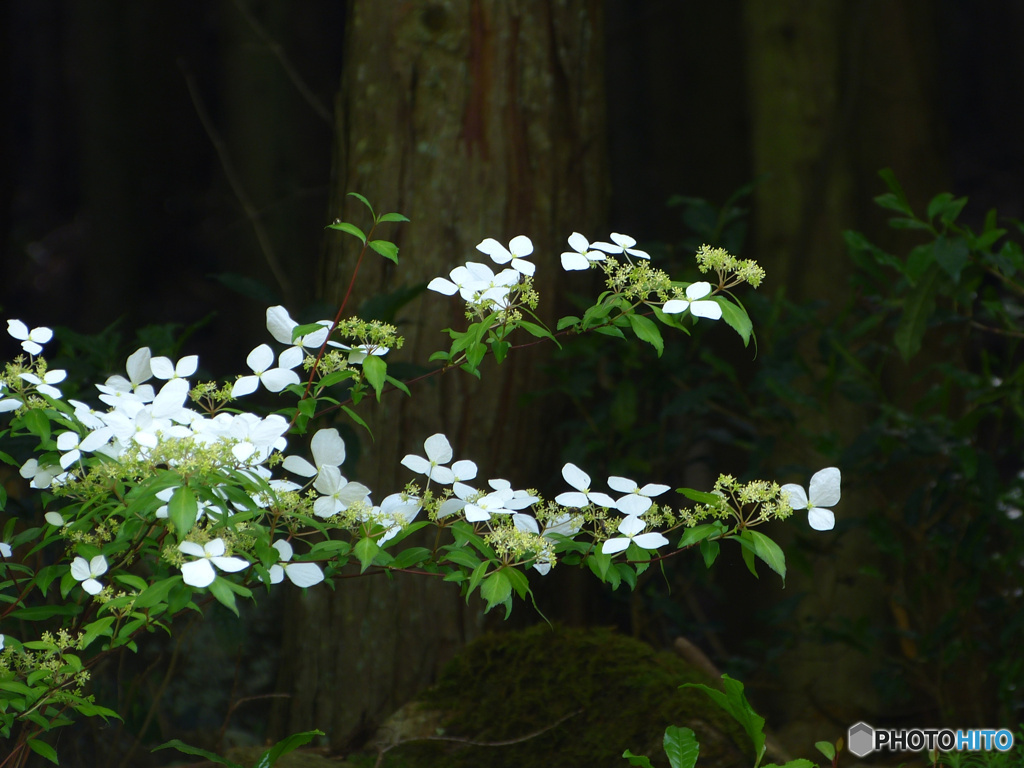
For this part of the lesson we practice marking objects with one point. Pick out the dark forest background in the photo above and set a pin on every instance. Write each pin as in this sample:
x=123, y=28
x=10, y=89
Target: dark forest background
x=177, y=163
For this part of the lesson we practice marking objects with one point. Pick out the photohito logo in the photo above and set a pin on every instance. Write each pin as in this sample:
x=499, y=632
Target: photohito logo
x=862, y=739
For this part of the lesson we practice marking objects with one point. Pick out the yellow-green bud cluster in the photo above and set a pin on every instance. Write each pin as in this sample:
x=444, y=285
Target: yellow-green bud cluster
x=731, y=271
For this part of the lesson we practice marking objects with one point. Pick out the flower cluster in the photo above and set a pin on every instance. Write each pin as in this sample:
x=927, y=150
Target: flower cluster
x=482, y=289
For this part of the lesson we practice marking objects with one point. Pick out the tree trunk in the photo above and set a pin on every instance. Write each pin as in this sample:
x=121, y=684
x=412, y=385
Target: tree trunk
x=474, y=119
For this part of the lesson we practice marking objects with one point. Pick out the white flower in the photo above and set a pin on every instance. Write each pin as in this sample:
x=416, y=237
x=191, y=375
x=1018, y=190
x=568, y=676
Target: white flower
x=299, y=574
x=630, y=526
x=338, y=493
x=45, y=384
x=468, y=279
x=396, y=511
x=694, y=293
x=5, y=549
x=85, y=414
x=439, y=452
x=31, y=341
x=517, y=251
x=260, y=361
x=622, y=244
x=280, y=325
x=73, y=447
x=200, y=573
x=138, y=369
x=637, y=500
x=494, y=503
x=582, y=255
x=88, y=571
x=824, y=492
x=328, y=449
x=41, y=477
x=580, y=480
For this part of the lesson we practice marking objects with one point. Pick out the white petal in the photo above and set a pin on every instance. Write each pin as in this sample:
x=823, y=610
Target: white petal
x=821, y=519
x=245, y=386
x=613, y=546
x=621, y=484
x=574, y=261
x=284, y=549
x=67, y=440
x=796, y=494
x=438, y=449
x=576, y=477
x=291, y=357
x=633, y=504
x=572, y=499
x=578, y=242
x=329, y=481
x=299, y=466
x=277, y=379
x=464, y=469
x=824, y=490
x=709, y=309
x=498, y=253
x=276, y=574
x=162, y=367
x=280, y=324
x=187, y=366
x=675, y=306
x=328, y=447
x=260, y=358
x=17, y=329
x=98, y=565
x=653, y=489
x=699, y=290
x=651, y=540
x=631, y=525
x=527, y=268
x=92, y=586
x=602, y=498
x=198, y=573
x=138, y=365
x=441, y=475
x=416, y=463
x=521, y=246
x=230, y=564
x=625, y=241
x=441, y=285
x=304, y=574
x=80, y=569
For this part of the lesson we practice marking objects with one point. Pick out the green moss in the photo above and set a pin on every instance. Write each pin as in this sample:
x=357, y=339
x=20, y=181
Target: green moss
x=623, y=693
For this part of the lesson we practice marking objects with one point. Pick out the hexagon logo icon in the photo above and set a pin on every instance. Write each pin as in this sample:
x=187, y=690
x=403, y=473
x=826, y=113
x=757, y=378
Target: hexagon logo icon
x=860, y=739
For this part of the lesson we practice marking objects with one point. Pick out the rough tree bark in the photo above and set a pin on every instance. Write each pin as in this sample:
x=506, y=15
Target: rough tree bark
x=475, y=119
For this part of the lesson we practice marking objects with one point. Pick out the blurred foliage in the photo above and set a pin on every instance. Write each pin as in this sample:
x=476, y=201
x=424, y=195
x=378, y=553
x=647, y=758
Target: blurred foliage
x=911, y=379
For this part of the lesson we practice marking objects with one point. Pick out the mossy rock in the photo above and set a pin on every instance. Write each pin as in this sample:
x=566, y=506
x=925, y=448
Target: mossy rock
x=614, y=693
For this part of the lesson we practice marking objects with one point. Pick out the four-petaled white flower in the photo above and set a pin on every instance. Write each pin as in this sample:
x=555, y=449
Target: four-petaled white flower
x=621, y=244
x=630, y=526
x=72, y=446
x=45, y=385
x=260, y=361
x=580, y=480
x=637, y=500
x=494, y=503
x=439, y=452
x=299, y=574
x=40, y=476
x=695, y=302
x=31, y=341
x=87, y=571
x=517, y=251
x=396, y=511
x=582, y=255
x=200, y=573
x=823, y=492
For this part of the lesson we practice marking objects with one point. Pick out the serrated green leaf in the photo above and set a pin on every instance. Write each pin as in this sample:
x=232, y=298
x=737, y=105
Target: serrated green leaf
x=366, y=550
x=496, y=589
x=698, y=533
x=386, y=249
x=375, y=370
x=352, y=229
x=363, y=200
x=646, y=330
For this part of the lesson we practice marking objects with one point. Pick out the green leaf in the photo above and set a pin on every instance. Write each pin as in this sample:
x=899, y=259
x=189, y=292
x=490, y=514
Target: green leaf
x=410, y=556
x=897, y=201
x=44, y=749
x=37, y=423
x=366, y=549
x=681, y=747
x=769, y=552
x=391, y=217
x=640, y=760
x=496, y=589
x=917, y=308
x=566, y=321
x=375, y=370
x=352, y=229
x=798, y=763
x=709, y=551
x=362, y=200
x=736, y=317
x=826, y=748
x=221, y=589
x=519, y=581
x=951, y=254
x=699, y=533
x=181, y=746
x=735, y=703
x=386, y=249
x=284, y=746
x=97, y=628
x=646, y=330
x=355, y=417
x=538, y=331
x=703, y=497
x=599, y=563
x=157, y=593
x=182, y=510
x=463, y=557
